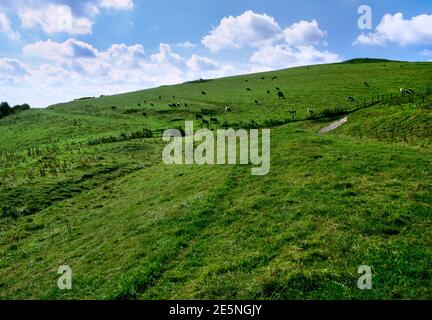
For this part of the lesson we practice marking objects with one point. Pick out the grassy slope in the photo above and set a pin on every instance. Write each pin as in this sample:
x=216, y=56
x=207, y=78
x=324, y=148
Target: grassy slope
x=131, y=227
x=321, y=87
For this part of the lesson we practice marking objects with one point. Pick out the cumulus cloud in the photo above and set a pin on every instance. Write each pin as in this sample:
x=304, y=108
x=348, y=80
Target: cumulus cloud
x=12, y=72
x=54, y=18
x=197, y=63
x=398, y=30
x=63, y=16
x=12, y=67
x=274, y=47
x=167, y=57
x=247, y=29
x=6, y=28
x=283, y=55
x=58, y=51
x=118, y=4
x=304, y=33
x=61, y=71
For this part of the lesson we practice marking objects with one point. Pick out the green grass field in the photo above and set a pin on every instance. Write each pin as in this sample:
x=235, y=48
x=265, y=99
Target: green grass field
x=79, y=186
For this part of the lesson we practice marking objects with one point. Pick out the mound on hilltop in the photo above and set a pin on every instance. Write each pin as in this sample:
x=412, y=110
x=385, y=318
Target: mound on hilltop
x=367, y=60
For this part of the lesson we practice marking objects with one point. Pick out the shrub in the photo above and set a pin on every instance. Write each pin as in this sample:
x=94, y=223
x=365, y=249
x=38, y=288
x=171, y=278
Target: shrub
x=5, y=109
x=208, y=112
x=22, y=107
x=333, y=112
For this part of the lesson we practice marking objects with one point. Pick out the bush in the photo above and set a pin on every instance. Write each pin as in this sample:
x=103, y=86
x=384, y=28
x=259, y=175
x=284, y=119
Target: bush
x=208, y=112
x=5, y=109
x=22, y=107
x=333, y=112
x=145, y=133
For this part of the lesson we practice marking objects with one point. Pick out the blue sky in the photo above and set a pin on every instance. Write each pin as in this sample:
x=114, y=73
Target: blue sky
x=56, y=50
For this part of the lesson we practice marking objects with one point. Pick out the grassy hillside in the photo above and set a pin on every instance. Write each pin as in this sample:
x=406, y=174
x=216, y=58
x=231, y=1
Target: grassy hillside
x=133, y=228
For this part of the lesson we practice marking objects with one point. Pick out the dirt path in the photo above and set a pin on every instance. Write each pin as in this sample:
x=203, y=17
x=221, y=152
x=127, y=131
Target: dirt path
x=334, y=125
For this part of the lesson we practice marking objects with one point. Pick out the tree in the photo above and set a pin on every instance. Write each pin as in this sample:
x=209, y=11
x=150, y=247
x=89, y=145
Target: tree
x=23, y=107
x=5, y=109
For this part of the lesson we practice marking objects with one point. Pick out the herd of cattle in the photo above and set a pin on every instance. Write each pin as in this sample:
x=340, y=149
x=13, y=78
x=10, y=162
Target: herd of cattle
x=280, y=95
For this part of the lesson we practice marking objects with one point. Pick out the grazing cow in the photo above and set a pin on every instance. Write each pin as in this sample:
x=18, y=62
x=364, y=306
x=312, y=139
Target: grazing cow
x=173, y=97
x=256, y=101
x=406, y=91
x=263, y=78
x=203, y=93
x=349, y=98
x=246, y=80
x=366, y=84
x=173, y=105
x=186, y=104
x=152, y=104
x=310, y=112
x=278, y=89
x=199, y=117
x=113, y=107
x=228, y=109
x=293, y=114
x=268, y=91
x=274, y=78
x=281, y=95
x=139, y=104
x=144, y=114
x=248, y=89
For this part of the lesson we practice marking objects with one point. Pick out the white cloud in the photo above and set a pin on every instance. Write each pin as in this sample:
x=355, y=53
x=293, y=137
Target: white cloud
x=60, y=71
x=66, y=70
x=6, y=28
x=186, y=45
x=247, y=29
x=12, y=67
x=63, y=16
x=275, y=47
x=304, y=33
x=283, y=56
x=197, y=63
x=165, y=56
x=58, y=51
x=118, y=4
x=123, y=54
x=395, y=29
x=55, y=19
